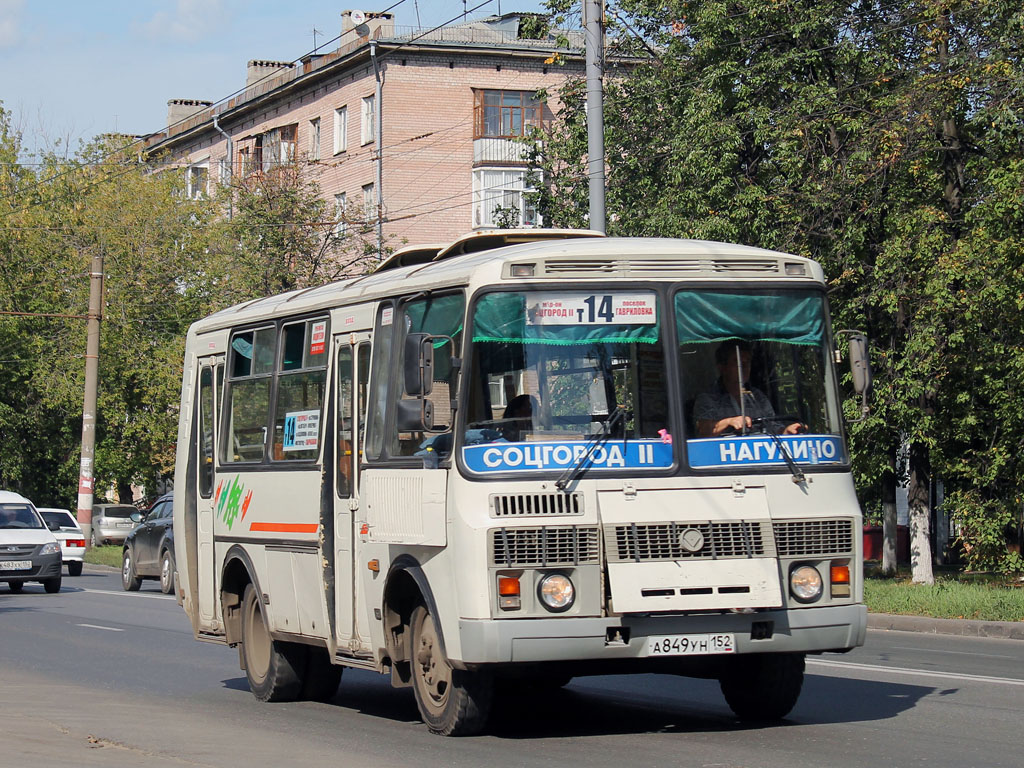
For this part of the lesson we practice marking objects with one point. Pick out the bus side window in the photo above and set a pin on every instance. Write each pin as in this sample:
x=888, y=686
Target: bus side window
x=206, y=421
x=346, y=426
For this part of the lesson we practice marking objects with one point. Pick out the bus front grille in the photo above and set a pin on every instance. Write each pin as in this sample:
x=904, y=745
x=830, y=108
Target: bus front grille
x=544, y=546
x=704, y=540
x=802, y=538
x=533, y=504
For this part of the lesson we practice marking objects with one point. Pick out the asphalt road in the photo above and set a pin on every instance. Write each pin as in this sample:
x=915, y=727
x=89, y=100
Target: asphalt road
x=94, y=676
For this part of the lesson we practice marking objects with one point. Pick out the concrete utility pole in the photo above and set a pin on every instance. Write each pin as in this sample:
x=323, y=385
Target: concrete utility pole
x=593, y=24
x=86, y=480
x=378, y=126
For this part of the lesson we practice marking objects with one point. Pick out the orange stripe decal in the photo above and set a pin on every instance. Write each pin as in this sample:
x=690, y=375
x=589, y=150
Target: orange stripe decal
x=285, y=527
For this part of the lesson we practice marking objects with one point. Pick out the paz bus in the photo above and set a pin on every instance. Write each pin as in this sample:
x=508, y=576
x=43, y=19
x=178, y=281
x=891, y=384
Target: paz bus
x=480, y=467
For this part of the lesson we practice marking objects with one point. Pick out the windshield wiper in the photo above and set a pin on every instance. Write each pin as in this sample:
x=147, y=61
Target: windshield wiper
x=606, y=430
x=798, y=474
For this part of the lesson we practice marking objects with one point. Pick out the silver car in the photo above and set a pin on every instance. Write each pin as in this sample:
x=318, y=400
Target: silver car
x=112, y=522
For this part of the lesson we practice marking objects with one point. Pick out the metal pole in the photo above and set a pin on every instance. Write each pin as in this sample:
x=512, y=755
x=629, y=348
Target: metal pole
x=379, y=117
x=86, y=480
x=593, y=17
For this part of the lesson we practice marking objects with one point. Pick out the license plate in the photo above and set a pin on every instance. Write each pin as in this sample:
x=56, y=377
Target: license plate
x=15, y=565
x=126, y=525
x=690, y=645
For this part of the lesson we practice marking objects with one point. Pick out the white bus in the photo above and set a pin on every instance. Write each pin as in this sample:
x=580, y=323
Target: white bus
x=506, y=463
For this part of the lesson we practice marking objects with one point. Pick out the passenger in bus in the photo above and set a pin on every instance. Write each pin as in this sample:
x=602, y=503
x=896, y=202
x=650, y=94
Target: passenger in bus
x=719, y=411
x=518, y=418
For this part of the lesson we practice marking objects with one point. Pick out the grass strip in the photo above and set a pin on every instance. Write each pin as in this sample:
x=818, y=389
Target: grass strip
x=105, y=555
x=950, y=597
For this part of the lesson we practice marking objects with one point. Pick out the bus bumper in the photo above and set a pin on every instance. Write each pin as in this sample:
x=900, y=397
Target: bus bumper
x=504, y=641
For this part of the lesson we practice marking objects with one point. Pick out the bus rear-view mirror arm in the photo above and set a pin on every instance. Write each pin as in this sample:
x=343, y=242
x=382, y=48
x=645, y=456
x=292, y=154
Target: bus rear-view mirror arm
x=860, y=366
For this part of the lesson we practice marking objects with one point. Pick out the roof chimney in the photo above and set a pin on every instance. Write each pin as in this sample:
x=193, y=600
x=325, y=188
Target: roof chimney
x=182, y=109
x=259, y=69
x=368, y=25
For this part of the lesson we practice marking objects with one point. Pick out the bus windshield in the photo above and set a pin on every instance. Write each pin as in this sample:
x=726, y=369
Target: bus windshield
x=757, y=376
x=552, y=371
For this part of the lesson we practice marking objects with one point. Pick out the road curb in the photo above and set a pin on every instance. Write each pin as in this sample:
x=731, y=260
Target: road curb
x=1009, y=630
x=96, y=568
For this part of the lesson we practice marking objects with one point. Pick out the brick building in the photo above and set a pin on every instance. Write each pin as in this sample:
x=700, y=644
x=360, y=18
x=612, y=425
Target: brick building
x=418, y=126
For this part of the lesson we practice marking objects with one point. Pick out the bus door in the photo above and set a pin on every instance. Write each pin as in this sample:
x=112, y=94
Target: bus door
x=352, y=356
x=211, y=377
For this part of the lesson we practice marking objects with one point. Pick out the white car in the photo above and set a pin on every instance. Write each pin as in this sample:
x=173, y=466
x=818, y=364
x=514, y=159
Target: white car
x=70, y=535
x=28, y=551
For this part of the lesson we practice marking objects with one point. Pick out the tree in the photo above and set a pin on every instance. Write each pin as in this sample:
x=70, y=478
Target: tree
x=868, y=137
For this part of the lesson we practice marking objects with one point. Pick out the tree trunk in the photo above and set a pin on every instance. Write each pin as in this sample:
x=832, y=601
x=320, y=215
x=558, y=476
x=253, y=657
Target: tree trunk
x=889, y=554
x=920, y=516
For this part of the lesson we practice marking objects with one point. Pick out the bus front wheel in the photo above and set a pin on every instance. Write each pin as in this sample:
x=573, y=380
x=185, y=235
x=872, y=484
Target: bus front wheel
x=273, y=668
x=765, y=686
x=452, y=702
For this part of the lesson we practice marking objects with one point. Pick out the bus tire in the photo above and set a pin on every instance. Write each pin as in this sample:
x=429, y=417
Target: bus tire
x=322, y=678
x=452, y=702
x=764, y=687
x=274, y=668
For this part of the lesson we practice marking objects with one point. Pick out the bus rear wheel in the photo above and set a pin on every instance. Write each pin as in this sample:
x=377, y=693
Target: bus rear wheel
x=763, y=687
x=452, y=702
x=274, y=668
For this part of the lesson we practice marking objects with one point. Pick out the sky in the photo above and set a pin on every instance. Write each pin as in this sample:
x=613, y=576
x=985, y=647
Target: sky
x=73, y=69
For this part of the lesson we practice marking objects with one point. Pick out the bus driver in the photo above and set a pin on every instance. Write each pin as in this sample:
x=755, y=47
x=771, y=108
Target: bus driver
x=719, y=410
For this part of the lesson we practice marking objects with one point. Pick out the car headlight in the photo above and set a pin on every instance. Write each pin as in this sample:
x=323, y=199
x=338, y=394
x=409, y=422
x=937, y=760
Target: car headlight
x=556, y=592
x=805, y=583
x=50, y=549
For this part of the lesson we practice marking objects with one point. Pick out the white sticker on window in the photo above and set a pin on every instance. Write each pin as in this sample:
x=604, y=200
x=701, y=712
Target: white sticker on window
x=386, y=316
x=318, y=337
x=591, y=309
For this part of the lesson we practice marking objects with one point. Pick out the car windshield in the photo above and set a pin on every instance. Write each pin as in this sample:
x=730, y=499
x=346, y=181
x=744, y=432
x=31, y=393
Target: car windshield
x=553, y=371
x=121, y=511
x=19, y=516
x=758, y=379
x=60, y=519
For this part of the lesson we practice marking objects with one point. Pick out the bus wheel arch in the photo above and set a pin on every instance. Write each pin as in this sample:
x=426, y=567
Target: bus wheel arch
x=406, y=587
x=238, y=573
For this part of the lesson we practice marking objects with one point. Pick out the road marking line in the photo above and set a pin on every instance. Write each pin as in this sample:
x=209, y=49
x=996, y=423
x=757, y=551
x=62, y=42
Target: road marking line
x=126, y=594
x=915, y=672
x=97, y=626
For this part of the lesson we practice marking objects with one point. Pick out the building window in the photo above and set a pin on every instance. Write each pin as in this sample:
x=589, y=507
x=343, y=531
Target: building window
x=197, y=178
x=340, y=204
x=369, y=128
x=505, y=114
x=340, y=129
x=314, y=139
x=278, y=146
x=499, y=199
x=369, y=202
x=224, y=171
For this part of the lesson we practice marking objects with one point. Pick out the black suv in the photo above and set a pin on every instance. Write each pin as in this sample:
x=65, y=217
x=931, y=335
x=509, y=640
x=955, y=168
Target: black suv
x=149, y=549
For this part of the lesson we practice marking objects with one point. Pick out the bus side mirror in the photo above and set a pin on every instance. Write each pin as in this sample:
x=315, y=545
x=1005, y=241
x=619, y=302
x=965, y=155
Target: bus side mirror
x=418, y=365
x=415, y=415
x=860, y=364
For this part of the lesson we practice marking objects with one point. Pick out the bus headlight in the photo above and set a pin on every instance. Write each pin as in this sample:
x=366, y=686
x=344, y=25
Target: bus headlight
x=805, y=583
x=556, y=592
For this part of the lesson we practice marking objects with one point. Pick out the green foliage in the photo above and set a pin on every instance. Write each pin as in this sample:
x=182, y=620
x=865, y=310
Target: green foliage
x=885, y=141
x=167, y=260
x=983, y=525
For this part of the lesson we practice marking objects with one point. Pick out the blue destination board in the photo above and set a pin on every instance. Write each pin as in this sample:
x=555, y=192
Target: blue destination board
x=761, y=450
x=526, y=457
